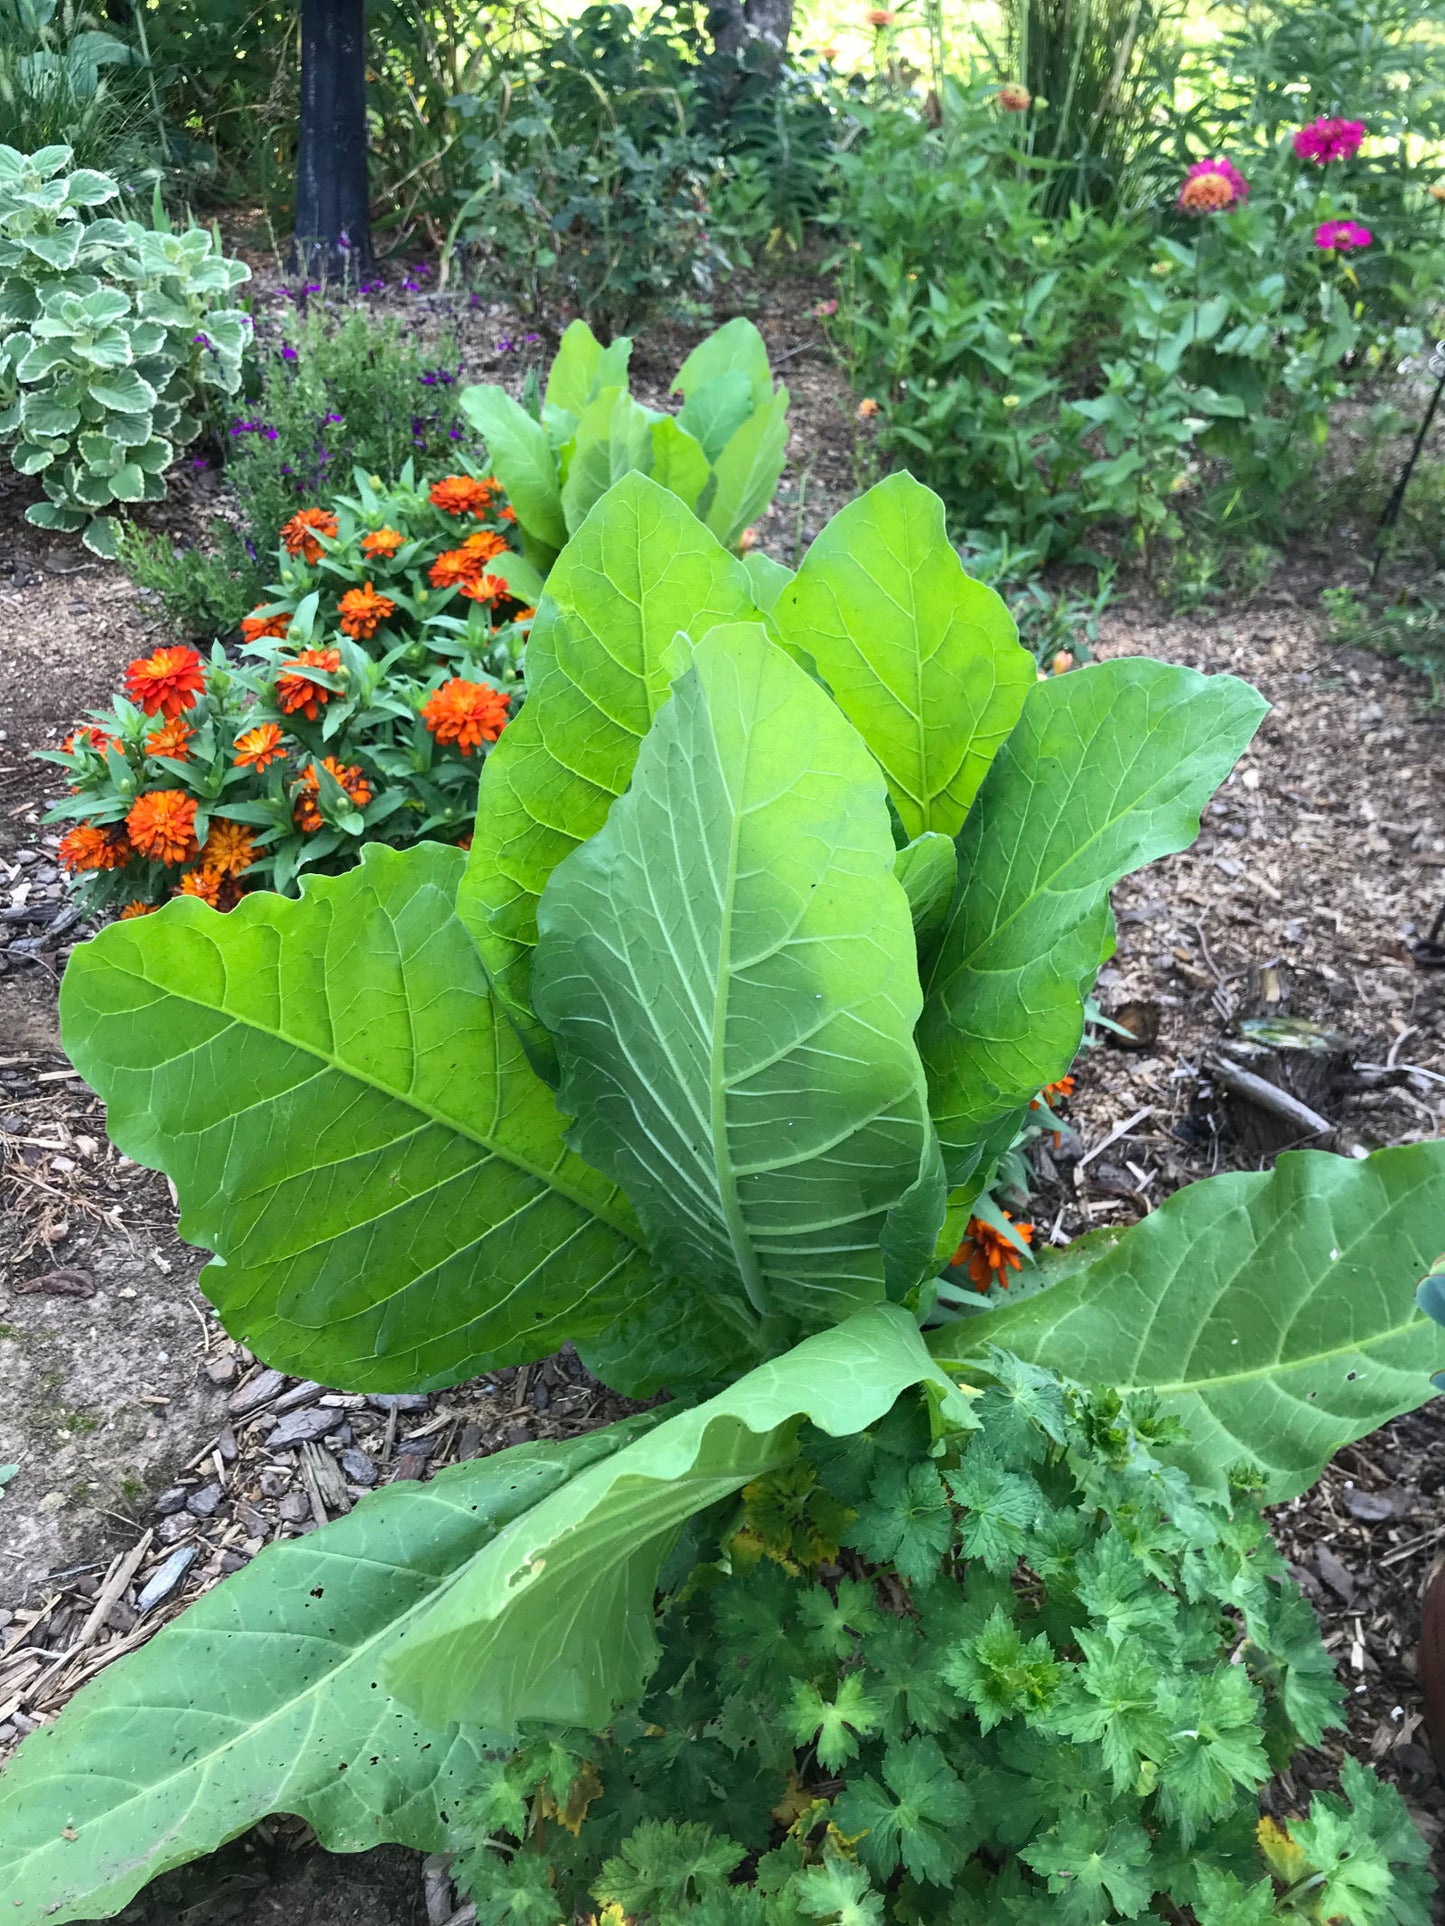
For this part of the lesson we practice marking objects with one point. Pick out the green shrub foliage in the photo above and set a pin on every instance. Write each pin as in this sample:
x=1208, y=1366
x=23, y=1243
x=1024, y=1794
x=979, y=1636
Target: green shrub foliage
x=115, y=336
x=783, y=902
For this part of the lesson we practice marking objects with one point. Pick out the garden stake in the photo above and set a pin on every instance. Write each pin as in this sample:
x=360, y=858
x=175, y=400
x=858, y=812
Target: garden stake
x=1397, y=494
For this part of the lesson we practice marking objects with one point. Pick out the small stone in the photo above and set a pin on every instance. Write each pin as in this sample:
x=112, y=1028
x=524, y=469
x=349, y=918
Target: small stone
x=517, y=1434
x=232, y=1561
x=1370, y=1507
x=408, y=1465
x=299, y=1426
x=171, y=1530
x=120, y=1617
x=203, y=1503
x=418, y=1447
x=307, y=1392
x=400, y=1401
x=358, y=1467
x=470, y=1441
x=273, y=1482
x=171, y=1500
x=294, y=1507
x=226, y=1445
x=222, y=1370
x=164, y=1581
x=1335, y=1573
x=259, y=1391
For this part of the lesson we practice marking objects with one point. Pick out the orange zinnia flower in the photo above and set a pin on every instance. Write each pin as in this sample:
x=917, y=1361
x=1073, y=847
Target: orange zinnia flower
x=380, y=543
x=1014, y=98
x=89, y=846
x=307, y=811
x=170, y=740
x=466, y=713
x=880, y=17
x=138, y=908
x=296, y=690
x=867, y=408
x=525, y=615
x=256, y=627
x=991, y=1254
x=228, y=848
x=484, y=543
x=87, y=736
x=205, y=883
x=363, y=611
x=168, y=681
x=162, y=825
x=462, y=495
x=453, y=568
x=256, y=747
x=1051, y=1092
x=299, y=534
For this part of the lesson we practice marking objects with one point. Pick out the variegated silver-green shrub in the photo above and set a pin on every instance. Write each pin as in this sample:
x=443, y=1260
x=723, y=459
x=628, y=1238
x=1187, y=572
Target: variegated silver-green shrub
x=111, y=332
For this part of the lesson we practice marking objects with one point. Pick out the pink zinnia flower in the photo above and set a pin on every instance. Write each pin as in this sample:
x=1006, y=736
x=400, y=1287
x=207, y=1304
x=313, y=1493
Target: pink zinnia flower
x=1210, y=186
x=1341, y=236
x=1327, y=140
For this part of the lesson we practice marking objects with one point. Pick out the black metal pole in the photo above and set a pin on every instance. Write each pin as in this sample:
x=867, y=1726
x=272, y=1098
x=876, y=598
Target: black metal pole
x=1397, y=494
x=333, y=212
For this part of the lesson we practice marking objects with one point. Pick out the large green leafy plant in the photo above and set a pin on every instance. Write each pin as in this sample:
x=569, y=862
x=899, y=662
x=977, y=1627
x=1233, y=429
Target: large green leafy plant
x=557, y=453
x=113, y=333
x=791, y=910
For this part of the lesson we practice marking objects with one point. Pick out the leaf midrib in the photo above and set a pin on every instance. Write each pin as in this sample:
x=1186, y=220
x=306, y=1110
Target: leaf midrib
x=525, y=1164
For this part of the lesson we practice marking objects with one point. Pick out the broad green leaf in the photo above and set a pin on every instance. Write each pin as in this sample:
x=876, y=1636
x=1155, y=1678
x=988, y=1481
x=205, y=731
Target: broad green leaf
x=123, y=390
x=43, y=415
x=1107, y=768
x=1273, y=1312
x=769, y=578
x=728, y=971
x=924, y=661
x=928, y=870
x=264, y=1697
x=678, y=461
x=519, y=575
x=736, y=347
x=521, y=458
x=640, y=570
x=352, y=1128
x=554, y=1619
x=613, y=438
x=746, y=473
x=715, y=412
x=582, y=368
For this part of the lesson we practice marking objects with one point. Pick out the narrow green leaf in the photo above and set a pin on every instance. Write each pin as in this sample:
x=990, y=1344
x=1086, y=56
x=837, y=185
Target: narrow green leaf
x=1107, y=768
x=264, y=1696
x=746, y=472
x=522, y=460
x=678, y=461
x=554, y=1619
x=736, y=347
x=728, y=971
x=1274, y=1312
x=924, y=661
x=613, y=438
x=379, y=1172
x=641, y=569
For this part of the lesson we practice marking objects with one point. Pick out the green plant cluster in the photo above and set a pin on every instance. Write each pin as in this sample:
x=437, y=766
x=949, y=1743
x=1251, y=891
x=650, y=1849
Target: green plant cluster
x=1034, y=1677
x=774, y=924
x=64, y=79
x=116, y=335
x=556, y=454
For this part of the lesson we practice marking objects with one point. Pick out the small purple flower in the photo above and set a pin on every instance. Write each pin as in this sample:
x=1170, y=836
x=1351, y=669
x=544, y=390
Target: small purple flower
x=203, y=341
x=412, y=287
x=505, y=344
x=271, y=434
x=251, y=550
x=288, y=353
x=199, y=461
x=530, y=340
x=436, y=378
x=454, y=432
x=330, y=418
x=245, y=427
x=343, y=241
x=312, y=287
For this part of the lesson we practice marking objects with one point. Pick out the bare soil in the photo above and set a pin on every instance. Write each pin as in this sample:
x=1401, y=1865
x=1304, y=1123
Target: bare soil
x=1319, y=866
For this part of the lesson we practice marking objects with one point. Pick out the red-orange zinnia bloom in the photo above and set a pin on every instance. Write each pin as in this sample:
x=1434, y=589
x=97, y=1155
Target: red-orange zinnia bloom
x=307, y=811
x=363, y=611
x=453, y=568
x=86, y=735
x=205, y=883
x=462, y=495
x=228, y=848
x=167, y=681
x=484, y=543
x=162, y=825
x=466, y=713
x=259, y=746
x=878, y=17
x=296, y=690
x=260, y=628
x=89, y=846
x=1014, y=98
x=1051, y=1092
x=299, y=534
x=991, y=1254
x=170, y=739
x=138, y=908
x=381, y=542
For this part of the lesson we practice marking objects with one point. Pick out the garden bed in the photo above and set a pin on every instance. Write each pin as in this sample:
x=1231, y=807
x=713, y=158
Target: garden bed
x=143, y=1434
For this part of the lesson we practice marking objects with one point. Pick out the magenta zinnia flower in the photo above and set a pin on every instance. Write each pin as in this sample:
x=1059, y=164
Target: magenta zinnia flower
x=1212, y=185
x=1327, y=139
x=1340, y=236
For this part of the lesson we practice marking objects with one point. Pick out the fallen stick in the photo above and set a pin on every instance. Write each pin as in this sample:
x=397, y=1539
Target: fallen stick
x=1269, y=1096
